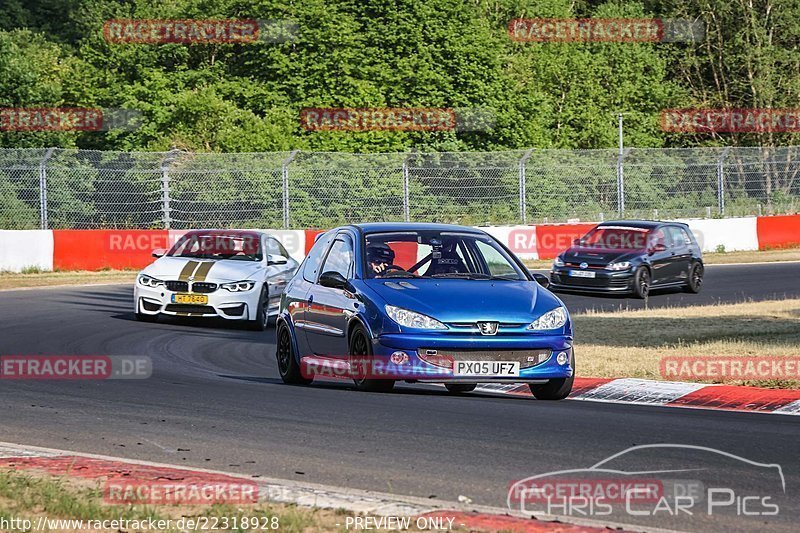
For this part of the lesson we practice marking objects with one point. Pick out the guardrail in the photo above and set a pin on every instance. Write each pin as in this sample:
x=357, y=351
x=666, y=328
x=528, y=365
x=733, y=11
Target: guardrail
x=120, y=249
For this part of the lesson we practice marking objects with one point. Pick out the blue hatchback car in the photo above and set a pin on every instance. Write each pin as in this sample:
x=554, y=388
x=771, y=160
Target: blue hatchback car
x=434, y=303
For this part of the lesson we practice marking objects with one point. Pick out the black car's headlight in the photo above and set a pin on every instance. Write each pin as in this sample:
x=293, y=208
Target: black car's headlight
x=412, y=319
x=558, y=262
x=622, y=265
x=151, y=282
x=550, y=320
x=239, y=286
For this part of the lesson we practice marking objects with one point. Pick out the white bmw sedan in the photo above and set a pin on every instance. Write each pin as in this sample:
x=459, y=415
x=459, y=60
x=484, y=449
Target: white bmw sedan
x=232, y=274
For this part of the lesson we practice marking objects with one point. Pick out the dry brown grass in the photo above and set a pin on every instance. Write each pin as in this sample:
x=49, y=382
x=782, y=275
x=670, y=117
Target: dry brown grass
x=29, y=495
x=11, y=280
x=632, y=343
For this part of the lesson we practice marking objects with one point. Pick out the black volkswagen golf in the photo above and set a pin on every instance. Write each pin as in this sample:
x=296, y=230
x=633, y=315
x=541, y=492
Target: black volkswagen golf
x=630, y=256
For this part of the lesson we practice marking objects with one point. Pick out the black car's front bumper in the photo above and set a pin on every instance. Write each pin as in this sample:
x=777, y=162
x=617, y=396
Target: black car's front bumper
x=604, y=280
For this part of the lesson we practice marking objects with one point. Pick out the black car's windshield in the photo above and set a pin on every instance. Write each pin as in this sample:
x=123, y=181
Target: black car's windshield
x=615, y=238
x=434, y=254
x=238, y=247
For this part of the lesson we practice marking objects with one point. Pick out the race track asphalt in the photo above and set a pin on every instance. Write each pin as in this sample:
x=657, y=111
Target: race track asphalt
x=215, y=400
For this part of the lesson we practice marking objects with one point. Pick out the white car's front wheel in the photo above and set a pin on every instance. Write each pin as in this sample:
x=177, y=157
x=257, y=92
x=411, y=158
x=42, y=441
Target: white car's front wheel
x=262, y=314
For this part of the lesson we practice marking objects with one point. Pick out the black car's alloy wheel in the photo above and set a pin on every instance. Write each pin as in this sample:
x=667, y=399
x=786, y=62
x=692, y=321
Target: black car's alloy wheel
x=695, y=281
x=641, y=283
x=288, y=367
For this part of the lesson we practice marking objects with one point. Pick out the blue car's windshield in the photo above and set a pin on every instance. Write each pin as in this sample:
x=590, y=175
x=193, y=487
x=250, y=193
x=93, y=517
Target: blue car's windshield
x=435, y=254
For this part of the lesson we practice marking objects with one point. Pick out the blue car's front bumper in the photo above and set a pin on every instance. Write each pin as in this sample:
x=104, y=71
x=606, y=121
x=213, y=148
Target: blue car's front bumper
x=416, y=368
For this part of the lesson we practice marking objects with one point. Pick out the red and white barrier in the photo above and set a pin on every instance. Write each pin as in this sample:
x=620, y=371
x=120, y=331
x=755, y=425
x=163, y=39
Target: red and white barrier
x=131, y=249
x=23, y=249
x=671, y=394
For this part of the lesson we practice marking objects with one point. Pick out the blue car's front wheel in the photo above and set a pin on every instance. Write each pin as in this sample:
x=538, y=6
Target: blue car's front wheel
x=555, y=389
x=360, y=357
x=459, y=388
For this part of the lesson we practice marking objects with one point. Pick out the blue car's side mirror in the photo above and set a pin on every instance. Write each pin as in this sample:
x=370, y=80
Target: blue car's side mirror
x=334, y=280
x=542, y=280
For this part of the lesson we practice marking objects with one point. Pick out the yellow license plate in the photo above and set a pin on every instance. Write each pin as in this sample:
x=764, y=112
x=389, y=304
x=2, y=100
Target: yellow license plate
x=201, y=299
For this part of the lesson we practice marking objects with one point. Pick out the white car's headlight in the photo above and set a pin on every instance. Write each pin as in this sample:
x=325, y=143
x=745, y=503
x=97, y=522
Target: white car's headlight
x=148, y=281
x=239, y=286
x=622, y=265
x=558, y=262
x=411, y=319
x=550, y=320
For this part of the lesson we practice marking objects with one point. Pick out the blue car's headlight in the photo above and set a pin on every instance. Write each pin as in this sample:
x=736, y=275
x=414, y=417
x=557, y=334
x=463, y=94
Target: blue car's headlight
x=239, y=286
x=412, y=319
x=147, y=281
x=550, y=320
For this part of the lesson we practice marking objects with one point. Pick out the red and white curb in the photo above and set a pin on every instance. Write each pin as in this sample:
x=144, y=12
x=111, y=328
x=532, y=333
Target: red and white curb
x=672, y=394
x=473, y=517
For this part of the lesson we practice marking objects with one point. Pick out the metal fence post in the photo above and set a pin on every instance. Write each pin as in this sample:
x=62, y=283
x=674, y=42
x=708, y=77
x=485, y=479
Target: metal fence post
x=43, y=188
x=621, y=183
x=285, y=178
x=166, y=209
x=523, y=200
x=406, y=193
x=721, y=181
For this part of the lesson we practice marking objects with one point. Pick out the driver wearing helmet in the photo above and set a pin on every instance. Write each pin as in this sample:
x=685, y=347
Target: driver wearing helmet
x=380, y=258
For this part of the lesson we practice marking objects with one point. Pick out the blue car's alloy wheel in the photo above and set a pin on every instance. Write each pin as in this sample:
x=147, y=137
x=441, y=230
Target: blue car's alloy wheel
x=360, y=355
x=287, y=363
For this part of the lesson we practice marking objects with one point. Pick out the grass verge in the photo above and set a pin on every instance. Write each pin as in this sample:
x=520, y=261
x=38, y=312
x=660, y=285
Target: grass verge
x=632, y=343
x=715, y=258
x=30, y=495
x=18, y=280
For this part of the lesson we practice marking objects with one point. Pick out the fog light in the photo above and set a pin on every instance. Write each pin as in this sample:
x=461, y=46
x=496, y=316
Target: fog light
x=399, y=358
x=562, y=358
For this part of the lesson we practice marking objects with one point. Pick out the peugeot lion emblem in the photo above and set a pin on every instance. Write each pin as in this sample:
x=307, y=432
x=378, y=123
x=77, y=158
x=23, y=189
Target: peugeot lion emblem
x=488, y=328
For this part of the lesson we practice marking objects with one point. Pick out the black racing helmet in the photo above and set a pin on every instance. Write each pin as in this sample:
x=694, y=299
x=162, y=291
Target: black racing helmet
x=380, y=253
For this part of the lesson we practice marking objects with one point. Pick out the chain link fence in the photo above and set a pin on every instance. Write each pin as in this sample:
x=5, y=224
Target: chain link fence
x=61, y=188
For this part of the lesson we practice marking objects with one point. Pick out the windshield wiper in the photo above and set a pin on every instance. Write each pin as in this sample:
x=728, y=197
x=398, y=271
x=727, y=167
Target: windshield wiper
x=462, y=275
x=397, y=274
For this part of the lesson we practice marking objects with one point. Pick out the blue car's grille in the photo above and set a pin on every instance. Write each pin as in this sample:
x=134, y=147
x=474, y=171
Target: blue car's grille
x=526, y=358
x=472, y=327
